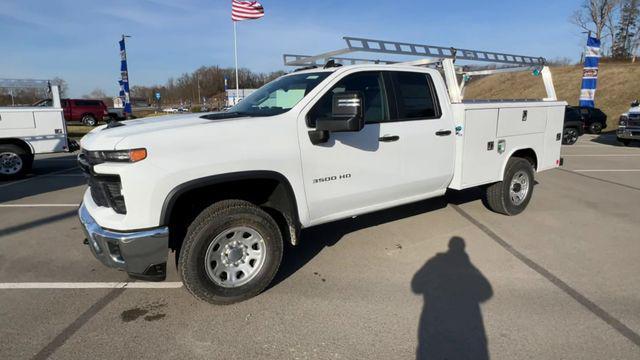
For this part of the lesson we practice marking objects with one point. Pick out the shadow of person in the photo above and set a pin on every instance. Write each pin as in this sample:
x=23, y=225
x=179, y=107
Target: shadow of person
x=451, y=325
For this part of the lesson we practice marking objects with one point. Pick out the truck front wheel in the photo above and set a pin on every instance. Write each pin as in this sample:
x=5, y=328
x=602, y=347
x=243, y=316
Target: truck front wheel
x=511, y=196
x=625, y=142
x=231, y=252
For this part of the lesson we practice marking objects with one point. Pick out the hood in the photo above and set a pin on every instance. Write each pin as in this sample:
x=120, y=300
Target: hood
x=633, y=110
x=107, y=138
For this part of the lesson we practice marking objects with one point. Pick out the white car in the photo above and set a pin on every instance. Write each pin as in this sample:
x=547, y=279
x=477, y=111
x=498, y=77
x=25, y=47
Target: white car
x=226, y=190
x=629, y=125
x=170, y=110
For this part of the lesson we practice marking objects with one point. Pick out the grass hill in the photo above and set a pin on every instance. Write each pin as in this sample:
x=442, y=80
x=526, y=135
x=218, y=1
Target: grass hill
x=618, y=85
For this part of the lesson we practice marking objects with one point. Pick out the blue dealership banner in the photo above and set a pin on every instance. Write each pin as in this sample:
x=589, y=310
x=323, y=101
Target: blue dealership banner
x=590, y=73
x=124, y=75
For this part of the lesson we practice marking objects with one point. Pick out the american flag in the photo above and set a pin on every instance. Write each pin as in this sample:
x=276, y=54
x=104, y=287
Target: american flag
x=246, y=10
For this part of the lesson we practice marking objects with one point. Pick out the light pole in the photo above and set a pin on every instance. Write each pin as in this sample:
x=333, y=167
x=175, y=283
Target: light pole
x=198, y=79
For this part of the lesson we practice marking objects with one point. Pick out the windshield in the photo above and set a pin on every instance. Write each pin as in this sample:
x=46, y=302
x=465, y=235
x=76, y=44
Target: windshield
x=278, y=96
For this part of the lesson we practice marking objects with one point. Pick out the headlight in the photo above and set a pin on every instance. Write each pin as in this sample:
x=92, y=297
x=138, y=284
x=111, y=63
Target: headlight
x=133, y=155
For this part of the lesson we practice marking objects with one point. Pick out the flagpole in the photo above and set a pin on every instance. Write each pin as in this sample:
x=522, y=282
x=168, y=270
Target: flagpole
x=235, y=51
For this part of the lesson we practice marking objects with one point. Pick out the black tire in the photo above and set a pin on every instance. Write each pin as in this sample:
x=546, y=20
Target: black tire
x=595, y=128
x=89, y=120
x=570, y=136
x=625, y=142
x=8, y=154
x=213, y=222
x=498, y=197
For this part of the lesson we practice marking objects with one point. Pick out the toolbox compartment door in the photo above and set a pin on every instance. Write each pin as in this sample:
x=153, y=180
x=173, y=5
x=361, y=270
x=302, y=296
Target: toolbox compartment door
x=521, y=121
x=480, y=158
x=13, y=120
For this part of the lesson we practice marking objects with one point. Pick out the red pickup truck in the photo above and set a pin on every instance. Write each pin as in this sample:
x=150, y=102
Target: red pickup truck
x=85, y=111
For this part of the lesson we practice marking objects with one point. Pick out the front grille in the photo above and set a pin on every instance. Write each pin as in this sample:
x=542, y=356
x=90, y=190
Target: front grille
x=106, y=191
x=634, y=120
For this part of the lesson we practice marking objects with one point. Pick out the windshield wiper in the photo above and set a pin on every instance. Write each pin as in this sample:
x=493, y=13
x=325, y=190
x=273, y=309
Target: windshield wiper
x=224, y=115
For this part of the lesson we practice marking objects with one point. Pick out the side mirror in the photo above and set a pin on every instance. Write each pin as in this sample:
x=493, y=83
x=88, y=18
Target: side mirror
x=346, y=114
x=635, y=103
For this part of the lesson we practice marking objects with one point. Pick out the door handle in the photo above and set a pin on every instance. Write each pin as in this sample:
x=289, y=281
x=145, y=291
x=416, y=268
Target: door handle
x=389, y=138
x=443, y=132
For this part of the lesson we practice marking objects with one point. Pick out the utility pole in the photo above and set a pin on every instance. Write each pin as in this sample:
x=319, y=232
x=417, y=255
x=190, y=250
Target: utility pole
x=198, y=79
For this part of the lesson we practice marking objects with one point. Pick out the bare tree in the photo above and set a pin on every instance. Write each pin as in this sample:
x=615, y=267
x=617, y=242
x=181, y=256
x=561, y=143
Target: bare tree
x=62, y=85
x=596, y=16
x=95, y=94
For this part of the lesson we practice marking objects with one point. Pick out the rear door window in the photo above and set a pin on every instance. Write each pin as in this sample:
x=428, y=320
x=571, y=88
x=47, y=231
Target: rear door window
x=415, y=96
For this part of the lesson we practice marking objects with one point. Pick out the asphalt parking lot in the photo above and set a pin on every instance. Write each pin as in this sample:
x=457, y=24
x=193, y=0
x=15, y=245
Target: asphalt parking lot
x=560, y=281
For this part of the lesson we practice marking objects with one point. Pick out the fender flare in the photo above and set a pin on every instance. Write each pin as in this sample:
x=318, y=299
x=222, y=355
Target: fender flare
x=176, y=192
x=19, y=142
x=504, y=163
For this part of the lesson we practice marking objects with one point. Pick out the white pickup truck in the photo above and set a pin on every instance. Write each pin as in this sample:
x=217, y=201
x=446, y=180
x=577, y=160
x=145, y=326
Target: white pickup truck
x=225, y=190
x=29, y=131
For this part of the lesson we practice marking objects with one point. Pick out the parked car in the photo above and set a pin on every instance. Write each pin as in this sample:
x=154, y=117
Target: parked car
x=308, y=148
x=629, y=125
x=573, y=125
x=29, y=131
x=116, y=114
x=594, y=119
x=86, y=111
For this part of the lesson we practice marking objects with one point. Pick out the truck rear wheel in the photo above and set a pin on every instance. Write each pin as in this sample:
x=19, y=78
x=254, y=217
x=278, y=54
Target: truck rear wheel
x=595, y=128
x=89, y=120
x=511, y=196
x=15, y=162
x=231, y=252
x=570, y=136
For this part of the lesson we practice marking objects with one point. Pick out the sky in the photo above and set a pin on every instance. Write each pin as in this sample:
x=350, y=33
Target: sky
x=77, y=40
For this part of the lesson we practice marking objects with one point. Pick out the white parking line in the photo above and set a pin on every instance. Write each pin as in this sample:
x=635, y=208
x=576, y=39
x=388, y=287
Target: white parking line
x=90, y=285
x=574, y=146
x=608, y=170
x=36, y=205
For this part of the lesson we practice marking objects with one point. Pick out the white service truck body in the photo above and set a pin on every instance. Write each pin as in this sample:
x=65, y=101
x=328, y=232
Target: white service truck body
x=42, y=129
x=168, y=182
x=29, y=131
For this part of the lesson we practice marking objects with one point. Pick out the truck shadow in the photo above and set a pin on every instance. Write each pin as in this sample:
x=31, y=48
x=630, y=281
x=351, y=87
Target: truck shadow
x=314, y=239
x=610, y=139
x=38, y=182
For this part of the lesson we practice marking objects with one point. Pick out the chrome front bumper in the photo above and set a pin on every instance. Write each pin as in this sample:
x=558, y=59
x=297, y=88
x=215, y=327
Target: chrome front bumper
x=628, y=133
x=142, y=254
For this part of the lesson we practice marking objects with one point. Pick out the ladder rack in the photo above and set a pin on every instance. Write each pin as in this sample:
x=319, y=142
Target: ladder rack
x=355, y=44
x=431, y=55
x=23, y=83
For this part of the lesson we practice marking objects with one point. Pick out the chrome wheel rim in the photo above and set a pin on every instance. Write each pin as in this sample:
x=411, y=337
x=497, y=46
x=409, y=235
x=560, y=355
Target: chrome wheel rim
x=88, y=120
x=10, y=163
x=519, y=187
x=571, y=136
x=235, y=256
